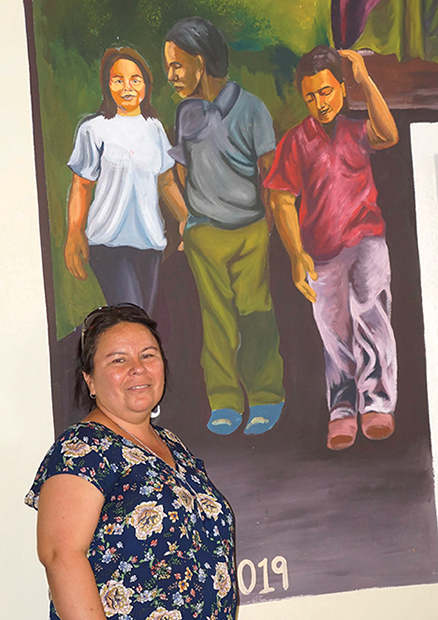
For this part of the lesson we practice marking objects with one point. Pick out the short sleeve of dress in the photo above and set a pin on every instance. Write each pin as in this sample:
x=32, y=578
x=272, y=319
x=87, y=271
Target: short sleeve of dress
x=85, y=160
x=285, y=174
x=262, y=129
x=82, y=450
x=166, y=160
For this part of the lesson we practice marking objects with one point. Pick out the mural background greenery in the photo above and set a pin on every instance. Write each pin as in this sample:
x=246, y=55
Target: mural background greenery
x=266, y=38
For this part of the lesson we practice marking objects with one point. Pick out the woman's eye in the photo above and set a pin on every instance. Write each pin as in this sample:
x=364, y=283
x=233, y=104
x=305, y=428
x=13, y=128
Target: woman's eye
x=118, y=360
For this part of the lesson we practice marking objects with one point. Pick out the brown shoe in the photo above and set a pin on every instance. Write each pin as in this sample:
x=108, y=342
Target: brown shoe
x=377, y=425
x=342, y=433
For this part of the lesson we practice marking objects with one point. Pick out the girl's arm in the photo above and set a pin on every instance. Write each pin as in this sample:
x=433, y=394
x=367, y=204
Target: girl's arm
x=76, y=246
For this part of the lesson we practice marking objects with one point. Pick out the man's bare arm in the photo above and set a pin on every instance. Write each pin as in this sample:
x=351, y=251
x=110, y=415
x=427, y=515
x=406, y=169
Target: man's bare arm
x=286, y=219
x=170, y=193
x=182, y=174
x=381, y=127
x=264, y=165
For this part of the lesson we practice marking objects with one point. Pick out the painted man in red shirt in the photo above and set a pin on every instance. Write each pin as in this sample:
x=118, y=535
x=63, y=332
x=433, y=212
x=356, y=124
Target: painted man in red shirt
x=339, y=241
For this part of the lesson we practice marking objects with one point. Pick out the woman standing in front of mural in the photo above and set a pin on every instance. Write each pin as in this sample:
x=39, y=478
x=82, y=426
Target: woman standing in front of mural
x=122, y=150
x=130, y=527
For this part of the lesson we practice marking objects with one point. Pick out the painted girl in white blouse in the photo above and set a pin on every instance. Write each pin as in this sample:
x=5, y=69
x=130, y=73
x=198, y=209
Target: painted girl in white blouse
x=122, y=153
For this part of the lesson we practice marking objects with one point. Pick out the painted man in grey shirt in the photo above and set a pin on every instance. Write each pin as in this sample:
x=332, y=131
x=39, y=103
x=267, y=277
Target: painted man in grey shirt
x=224, y=138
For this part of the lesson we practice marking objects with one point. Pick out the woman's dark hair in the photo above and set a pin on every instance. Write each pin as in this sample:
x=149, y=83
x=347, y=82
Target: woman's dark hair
x=108, y=107
x=97, y=323
x=197, y=36
x=320, y=58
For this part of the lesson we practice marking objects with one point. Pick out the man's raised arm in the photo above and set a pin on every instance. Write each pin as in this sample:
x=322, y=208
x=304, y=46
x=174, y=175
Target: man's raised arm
x=381, y=127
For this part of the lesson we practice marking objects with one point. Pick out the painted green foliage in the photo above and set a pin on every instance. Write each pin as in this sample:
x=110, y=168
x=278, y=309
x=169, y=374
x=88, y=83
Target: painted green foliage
x=266, y=38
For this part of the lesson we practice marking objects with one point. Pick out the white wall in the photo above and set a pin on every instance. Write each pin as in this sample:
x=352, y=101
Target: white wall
x=26, y=416
x=26, y=426
x=424, y=138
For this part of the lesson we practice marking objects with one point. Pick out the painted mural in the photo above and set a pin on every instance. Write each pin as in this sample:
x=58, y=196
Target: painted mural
x=221, y=164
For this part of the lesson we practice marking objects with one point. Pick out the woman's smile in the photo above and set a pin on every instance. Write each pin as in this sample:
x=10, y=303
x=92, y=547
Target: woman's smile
x=140, y=387
x=127, y=87
x=128, y=375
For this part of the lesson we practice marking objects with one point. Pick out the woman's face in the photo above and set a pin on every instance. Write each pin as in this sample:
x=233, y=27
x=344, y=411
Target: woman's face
x=184, y=71
x=127, y=87
x=128, y=376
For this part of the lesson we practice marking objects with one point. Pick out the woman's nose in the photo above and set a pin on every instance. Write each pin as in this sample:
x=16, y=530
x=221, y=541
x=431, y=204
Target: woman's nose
x=138, y=367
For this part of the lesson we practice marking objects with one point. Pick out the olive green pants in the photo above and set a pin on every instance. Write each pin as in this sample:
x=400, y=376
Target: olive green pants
x=241, y=339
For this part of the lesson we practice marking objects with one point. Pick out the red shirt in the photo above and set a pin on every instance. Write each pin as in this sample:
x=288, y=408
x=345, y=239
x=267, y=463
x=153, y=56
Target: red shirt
x=333, y=175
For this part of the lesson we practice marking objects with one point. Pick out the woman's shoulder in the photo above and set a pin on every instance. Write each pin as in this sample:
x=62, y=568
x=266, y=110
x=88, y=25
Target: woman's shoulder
x=86, y=449
x=91, y=127
x=81, y=439
x=85, y=431
x=88, y=121
x=84, y=438
x=154, y=122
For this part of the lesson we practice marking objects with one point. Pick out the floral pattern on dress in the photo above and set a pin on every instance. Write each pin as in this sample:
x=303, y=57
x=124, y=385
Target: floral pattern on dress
x=116, y=599
x=164, y=545
x=222, y=580
x=163, y=614
x=147, y=518
x=209, y=505
x=134, y=456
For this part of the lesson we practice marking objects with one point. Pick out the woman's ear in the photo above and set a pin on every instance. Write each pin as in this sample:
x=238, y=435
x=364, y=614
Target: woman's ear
x=89, y=381
x=201, y=64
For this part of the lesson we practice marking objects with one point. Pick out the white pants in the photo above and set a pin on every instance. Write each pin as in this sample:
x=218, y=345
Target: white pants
x=352, y=312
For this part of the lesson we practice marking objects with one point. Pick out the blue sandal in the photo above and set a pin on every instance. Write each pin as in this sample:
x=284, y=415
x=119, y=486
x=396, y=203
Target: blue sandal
x=262, y=418
x=224, y=421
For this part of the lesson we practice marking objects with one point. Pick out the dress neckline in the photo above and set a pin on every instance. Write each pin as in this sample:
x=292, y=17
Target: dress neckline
x=148, y=452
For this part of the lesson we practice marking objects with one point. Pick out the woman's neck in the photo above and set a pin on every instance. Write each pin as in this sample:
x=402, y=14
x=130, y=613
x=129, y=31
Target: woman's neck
x=122, y=112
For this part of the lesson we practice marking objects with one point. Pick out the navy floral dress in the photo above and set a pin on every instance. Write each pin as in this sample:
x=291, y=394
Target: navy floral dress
x=164, y=545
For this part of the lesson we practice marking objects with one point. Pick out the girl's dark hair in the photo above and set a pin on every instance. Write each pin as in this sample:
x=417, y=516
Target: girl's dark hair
x=197, y=36
x=97, y=323
x=320, y=58
x=108, y=106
